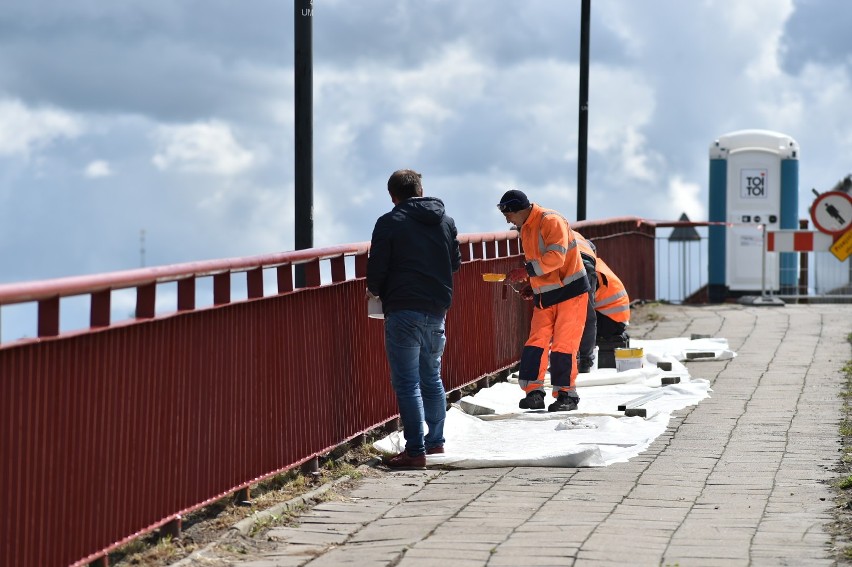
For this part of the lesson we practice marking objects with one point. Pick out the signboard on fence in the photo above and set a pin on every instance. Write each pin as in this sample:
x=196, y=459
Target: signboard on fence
x=842, y=247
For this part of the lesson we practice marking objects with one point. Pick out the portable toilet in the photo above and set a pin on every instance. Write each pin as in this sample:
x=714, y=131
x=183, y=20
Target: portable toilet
x=754, y=187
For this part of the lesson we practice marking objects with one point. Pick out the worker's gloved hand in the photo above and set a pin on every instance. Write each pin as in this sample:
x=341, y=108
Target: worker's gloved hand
x=526, y=292
x=517, y=275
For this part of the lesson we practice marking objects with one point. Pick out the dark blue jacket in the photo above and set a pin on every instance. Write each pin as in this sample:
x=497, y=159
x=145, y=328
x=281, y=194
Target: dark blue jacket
x=413, y=254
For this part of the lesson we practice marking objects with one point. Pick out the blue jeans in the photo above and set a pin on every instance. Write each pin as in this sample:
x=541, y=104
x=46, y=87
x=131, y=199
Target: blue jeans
x=414, y=342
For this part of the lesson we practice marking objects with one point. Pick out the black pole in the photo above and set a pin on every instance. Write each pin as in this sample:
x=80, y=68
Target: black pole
x=303, y=98
x=583, y=135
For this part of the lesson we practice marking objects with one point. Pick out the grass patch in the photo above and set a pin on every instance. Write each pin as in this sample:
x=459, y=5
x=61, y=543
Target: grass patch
x=843, y=509
x=844, y=483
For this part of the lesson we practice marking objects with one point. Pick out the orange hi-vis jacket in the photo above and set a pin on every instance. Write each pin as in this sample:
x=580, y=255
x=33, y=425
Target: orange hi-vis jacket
x=553, y=259
x=611, y=298
x=585, y=246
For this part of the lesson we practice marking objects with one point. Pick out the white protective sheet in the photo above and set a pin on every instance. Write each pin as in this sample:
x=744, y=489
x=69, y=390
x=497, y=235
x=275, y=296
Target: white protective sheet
x=596, y=434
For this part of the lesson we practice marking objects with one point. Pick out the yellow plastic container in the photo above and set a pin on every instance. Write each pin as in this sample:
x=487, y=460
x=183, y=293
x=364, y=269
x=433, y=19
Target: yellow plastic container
x=628, y=358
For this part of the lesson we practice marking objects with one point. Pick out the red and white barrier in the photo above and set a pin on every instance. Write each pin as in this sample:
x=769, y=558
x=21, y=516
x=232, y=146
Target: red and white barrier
x=798, y=241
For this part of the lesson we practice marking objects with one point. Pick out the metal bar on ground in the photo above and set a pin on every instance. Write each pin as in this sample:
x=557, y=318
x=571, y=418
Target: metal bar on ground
x=632, y=408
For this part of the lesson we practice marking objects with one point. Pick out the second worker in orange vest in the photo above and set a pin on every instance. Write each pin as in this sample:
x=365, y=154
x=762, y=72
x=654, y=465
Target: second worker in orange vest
x=609, y=312
x=560, y=295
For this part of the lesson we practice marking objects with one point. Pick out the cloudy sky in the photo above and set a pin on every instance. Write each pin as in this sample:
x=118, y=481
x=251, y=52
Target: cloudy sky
x=176, y=116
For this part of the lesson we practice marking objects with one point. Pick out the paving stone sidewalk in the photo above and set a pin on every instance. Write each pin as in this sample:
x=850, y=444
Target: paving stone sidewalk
x=739, y=479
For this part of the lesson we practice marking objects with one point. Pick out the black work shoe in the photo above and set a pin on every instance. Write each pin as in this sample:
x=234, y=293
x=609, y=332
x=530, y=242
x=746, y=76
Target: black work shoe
x=564, y=402
x=534, y=400
x=584, y=365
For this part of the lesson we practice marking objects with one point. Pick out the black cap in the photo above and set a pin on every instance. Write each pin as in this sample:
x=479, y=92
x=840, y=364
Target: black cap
x=513, y=201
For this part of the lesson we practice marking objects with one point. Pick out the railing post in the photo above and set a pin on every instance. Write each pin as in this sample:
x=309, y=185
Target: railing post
x=361, y=265
x=100, y=308
x=391, y=425
x=285, y=278
x=146, y=299
x=514, y=247
x=312, y=273
x=477, y=251
x=502, y=248
x=222, y=288
x=48, y=317
x=803, y=267
x=242, y=497
x=310, y=467
x=338, y=269
x=254, y=283
x=172, y=529
x=186, y=294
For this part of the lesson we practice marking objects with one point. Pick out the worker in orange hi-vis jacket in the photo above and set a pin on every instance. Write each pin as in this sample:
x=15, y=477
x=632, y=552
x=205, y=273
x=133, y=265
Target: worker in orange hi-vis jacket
x=586, y=355
x=560, y=288
x=612, y=307
x=609, y=312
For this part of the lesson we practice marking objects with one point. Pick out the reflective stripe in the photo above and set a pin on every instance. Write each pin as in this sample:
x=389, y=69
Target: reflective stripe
x=614, y=309
x=611, y=298
x=536, y=267
x=546, y=288
x=568, y=279
x=574, y=277
x=547, y=213
x=542, y=247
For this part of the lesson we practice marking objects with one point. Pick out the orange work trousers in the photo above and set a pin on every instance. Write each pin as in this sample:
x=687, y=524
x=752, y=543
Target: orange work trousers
x=556, y=330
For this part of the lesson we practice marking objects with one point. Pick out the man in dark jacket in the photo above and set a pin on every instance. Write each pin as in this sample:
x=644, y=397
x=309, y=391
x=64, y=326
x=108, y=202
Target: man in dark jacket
x=413, y=254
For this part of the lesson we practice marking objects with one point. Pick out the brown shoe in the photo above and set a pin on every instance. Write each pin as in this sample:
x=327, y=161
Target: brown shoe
x=436, y=450
x=404, y=461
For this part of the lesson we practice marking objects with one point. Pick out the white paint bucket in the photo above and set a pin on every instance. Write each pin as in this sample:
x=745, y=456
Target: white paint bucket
x=628, y=359
x=374, y=308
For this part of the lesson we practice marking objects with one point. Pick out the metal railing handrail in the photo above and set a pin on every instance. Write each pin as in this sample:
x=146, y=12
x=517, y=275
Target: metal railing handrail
x=78, y=285
x=38, y=290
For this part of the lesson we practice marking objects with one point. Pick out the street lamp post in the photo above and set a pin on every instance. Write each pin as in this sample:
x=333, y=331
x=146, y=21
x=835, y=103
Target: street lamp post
x=583, y=135
x=304, y=130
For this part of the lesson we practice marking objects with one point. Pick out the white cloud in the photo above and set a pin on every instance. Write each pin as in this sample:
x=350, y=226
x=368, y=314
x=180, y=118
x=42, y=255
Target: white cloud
x=759, y=25
x=683, y=197
x=24, y=129
x=204, y=147
x=478, y=95
x=98, y=168
x=412, y=105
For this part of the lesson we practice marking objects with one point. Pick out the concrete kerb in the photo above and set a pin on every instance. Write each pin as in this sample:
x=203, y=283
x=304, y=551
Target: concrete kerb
x=246, y=525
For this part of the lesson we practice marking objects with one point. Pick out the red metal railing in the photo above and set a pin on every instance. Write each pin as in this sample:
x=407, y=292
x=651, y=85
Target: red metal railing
x=110, y=432
x=627, y=246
